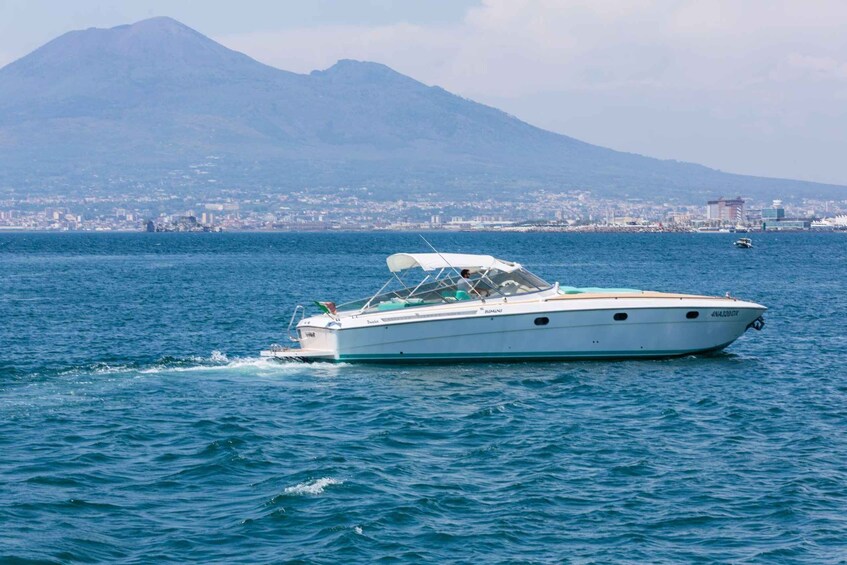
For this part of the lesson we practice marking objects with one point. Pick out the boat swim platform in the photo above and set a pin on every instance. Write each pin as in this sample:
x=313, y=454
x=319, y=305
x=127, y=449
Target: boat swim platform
x=297, y=354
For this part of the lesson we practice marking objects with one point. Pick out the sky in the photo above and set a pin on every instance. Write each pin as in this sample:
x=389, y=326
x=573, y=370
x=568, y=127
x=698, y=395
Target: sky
x=746, y=86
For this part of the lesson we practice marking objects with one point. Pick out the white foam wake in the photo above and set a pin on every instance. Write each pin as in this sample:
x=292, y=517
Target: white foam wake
x=313, y=487
x=220, y=362
x=216, y=363
x=218, y=357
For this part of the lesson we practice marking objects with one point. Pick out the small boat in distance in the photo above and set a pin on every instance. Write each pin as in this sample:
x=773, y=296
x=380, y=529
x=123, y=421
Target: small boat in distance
x=479, y=308
x=744, y=243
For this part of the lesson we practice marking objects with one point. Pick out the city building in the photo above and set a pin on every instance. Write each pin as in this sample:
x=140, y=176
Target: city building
x=773, y=219
x=774, y=213
x=726, y=211
x=786, y=225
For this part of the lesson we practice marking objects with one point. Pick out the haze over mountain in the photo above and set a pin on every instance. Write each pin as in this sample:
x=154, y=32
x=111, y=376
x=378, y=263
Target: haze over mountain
x=124, y=108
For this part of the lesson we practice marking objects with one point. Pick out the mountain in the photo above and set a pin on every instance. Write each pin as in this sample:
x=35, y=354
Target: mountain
x=136, y=106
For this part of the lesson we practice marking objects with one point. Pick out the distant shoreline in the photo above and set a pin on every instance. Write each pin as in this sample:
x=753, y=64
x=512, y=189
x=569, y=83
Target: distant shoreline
x=4, y=231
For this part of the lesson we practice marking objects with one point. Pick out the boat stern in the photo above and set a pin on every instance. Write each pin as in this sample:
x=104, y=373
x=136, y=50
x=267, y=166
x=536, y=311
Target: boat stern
x=319, y=333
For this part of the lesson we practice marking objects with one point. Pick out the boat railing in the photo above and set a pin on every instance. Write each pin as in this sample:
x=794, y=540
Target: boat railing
x=293, y=322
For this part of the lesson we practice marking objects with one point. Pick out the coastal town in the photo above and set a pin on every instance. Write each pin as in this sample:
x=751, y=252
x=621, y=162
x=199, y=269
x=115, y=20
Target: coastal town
x=356, y=209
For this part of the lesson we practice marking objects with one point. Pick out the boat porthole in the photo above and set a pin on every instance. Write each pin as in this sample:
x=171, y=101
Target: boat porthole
x=692, y=315
x=621, y=316
x=543, y=321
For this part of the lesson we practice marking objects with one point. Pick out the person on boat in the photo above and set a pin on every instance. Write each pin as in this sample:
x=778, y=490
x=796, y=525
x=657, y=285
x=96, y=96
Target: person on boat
x=465, y=282
x=465, y=285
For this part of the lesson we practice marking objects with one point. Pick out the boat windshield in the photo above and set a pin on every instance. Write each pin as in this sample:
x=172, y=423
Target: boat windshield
x=445, y=287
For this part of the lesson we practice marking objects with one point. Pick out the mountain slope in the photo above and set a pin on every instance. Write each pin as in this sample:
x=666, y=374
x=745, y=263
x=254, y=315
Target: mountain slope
x=140, y=101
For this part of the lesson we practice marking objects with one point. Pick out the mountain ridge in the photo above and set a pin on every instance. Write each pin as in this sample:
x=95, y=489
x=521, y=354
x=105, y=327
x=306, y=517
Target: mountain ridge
x=141, y=99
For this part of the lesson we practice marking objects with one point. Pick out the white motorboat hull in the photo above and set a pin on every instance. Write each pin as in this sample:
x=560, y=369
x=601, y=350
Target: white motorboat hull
x=649, y=325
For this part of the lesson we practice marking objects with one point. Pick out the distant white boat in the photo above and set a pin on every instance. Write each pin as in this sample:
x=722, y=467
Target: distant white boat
x=476, y=307
x=744, y=243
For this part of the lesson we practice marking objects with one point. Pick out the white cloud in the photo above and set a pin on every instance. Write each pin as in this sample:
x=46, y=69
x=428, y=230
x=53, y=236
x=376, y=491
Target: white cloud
x=797, y=67
x=509, y=47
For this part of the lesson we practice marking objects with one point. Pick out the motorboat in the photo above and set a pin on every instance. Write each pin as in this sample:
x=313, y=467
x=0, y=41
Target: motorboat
x=479, y=308
x=744, y=243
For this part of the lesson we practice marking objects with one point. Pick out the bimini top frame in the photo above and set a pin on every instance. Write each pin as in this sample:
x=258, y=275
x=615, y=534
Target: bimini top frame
x=490, y=277
x=458, y=261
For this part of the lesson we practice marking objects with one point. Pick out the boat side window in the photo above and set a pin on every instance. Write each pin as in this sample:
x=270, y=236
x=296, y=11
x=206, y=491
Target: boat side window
x=516, y=282
x=543, y=321
x=434, y=291
x=442, y=287
x=621, y=316
x=694, y=314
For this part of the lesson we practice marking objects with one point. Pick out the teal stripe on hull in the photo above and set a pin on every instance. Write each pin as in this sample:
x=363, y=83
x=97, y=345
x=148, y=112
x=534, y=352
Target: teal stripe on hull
x=526, y=356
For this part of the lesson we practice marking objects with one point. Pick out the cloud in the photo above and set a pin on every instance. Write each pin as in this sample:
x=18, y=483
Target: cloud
x=511, y=47
x=797, y=67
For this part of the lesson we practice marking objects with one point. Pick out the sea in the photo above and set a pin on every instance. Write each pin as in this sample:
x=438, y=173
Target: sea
x=138, y=423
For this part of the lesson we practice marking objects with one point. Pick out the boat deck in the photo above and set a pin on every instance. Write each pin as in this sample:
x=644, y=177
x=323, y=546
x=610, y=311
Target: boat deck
x=637, y=294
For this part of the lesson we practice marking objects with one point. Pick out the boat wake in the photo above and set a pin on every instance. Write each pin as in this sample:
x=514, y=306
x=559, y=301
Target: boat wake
x=216, y=363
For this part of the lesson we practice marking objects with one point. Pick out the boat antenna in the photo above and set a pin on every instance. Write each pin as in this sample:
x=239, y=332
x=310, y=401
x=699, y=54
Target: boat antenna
x=440, y=255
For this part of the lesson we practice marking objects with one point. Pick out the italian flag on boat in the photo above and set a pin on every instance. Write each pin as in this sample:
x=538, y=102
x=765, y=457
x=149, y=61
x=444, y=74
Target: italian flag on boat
x=326, y=307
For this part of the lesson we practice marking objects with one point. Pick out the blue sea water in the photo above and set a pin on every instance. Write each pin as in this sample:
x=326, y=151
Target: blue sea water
x=137, y=423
